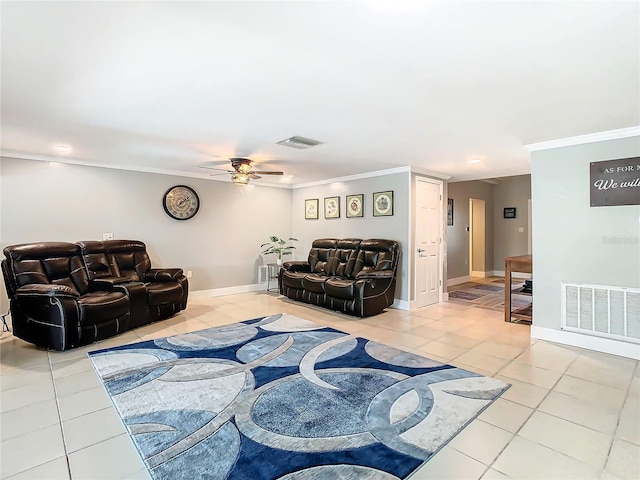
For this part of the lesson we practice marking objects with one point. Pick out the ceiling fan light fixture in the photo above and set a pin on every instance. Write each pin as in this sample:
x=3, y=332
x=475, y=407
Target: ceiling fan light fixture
x=299, y=142
x=240, y=178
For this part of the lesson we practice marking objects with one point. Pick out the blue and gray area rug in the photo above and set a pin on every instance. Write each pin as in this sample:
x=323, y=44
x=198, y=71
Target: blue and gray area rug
x=280, y=397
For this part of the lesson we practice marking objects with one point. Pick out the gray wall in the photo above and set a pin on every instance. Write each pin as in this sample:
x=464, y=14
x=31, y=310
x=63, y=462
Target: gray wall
x=507, y=241
x=573, y=242
x=221, y=244
x=502, y=238
x=394, y=227
x=457, y=235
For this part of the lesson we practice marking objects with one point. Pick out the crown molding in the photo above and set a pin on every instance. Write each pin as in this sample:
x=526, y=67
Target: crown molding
x=430, y=173
x=360, y=176
x=159, y=171
x=589, y=138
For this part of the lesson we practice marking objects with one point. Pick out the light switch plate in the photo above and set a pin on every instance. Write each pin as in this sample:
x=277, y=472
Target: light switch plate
x=521, y=229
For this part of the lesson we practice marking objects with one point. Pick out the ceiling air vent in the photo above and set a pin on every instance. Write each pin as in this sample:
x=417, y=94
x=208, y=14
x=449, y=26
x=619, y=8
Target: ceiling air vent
x=299, y=142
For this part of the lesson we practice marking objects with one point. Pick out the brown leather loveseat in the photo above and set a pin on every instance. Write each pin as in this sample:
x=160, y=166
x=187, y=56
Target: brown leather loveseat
x=64, y=295
x=353, y=276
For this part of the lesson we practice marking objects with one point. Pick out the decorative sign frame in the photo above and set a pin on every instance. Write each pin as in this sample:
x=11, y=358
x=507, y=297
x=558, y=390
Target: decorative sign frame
x=615, y=182
x=509, y=212
x=449, y=212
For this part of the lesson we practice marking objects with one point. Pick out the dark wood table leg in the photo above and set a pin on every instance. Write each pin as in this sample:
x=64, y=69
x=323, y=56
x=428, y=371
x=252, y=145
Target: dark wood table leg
x=507, y=291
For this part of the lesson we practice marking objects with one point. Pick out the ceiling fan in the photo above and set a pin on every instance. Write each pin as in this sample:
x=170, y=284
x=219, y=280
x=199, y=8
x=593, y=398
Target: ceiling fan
x=242, y=171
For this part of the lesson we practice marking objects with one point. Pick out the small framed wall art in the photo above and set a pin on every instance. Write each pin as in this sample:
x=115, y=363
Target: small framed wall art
x=311, y=207
x=332, y=207
x=449, y=212
x=355, y=206
x=509, y=212
x=383, y=204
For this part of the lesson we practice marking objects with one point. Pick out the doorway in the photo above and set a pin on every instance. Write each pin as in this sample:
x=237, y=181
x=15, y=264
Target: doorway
x=477, y=235
x=428, y=236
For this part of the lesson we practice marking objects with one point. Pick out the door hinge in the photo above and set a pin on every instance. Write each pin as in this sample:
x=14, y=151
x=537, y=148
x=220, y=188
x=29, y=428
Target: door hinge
x=440, y=282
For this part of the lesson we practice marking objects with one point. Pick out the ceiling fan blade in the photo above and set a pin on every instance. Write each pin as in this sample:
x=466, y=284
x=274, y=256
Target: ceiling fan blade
x=253, y=175
x=261, y=172
x=221, y=170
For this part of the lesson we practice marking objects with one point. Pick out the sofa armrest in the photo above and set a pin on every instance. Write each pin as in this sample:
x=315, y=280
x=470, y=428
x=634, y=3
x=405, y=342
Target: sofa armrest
x=107, y=283
x=46, y=290
x=48, y=314
x=163, y=275
x=375, y=274
x=297, y=266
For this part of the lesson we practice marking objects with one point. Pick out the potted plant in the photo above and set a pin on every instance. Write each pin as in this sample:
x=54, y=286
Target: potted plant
x=279, y=246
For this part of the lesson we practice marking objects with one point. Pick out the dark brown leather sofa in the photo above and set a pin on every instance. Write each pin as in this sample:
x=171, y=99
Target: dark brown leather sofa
x=354, y=276
x=64, y=295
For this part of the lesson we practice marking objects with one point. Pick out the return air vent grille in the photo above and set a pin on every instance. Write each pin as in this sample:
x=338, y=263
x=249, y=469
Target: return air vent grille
x=299, y=142
x=603, y=311
x=263, y=274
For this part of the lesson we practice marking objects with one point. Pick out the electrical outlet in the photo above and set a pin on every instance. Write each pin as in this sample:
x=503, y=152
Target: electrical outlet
x=107, y=236
x=189, y=273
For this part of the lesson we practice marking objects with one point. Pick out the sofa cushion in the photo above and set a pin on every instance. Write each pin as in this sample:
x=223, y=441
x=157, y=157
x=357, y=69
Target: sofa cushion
x=375, y=255
x=343, y=288
x=344, y=257
x=293, y=279
x=97, y=307
x=313, y=282
x=321, y=254
x=163, y=292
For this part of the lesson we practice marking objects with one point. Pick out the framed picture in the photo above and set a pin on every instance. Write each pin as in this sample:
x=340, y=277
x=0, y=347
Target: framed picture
x=354, y=206
x=449, y=212
x=383, y=204
x=509, y=212
x=332, y=207
x=311, y=207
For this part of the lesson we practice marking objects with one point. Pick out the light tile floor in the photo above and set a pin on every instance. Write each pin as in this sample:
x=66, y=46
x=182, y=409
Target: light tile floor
x=570, y=413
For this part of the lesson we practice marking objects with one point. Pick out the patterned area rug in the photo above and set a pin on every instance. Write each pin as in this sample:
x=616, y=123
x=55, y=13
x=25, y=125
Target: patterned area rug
x=489, y=295
x=280, y=397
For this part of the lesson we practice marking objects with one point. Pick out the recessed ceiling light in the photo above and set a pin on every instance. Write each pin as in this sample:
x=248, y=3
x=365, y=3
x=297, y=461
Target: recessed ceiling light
x=286, y=178
x=475, y=160
x=62, y=148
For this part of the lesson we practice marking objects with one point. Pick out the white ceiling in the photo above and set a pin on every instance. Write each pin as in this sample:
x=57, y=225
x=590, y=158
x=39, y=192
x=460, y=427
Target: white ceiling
x=168, y=86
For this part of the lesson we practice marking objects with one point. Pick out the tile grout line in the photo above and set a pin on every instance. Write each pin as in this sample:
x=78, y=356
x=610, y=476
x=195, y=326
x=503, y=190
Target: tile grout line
x=55, y=393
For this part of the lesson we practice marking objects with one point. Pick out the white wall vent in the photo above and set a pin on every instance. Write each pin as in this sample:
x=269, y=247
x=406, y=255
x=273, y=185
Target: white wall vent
x=263, y=274
x=603, y=311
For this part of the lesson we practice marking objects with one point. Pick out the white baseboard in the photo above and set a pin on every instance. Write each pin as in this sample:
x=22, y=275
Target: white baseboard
x=401, y=304
x=604, y=345
x=458, y=280
x=219, y=292
x=499, y=273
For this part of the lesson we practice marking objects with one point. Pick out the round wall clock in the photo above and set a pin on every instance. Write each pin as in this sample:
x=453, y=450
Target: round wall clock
x=181, y=202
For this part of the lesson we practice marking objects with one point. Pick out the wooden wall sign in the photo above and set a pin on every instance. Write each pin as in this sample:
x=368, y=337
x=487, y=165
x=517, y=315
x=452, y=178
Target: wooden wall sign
x=615, y=182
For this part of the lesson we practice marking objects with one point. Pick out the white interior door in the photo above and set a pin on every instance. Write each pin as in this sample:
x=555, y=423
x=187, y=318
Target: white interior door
x=428, y=241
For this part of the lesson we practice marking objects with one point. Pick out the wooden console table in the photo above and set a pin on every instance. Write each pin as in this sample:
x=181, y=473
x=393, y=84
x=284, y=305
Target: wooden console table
x=522, y=264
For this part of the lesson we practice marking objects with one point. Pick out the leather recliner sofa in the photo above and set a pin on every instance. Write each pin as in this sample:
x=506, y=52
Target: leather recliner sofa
x=64, y=295
x=354, y=276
